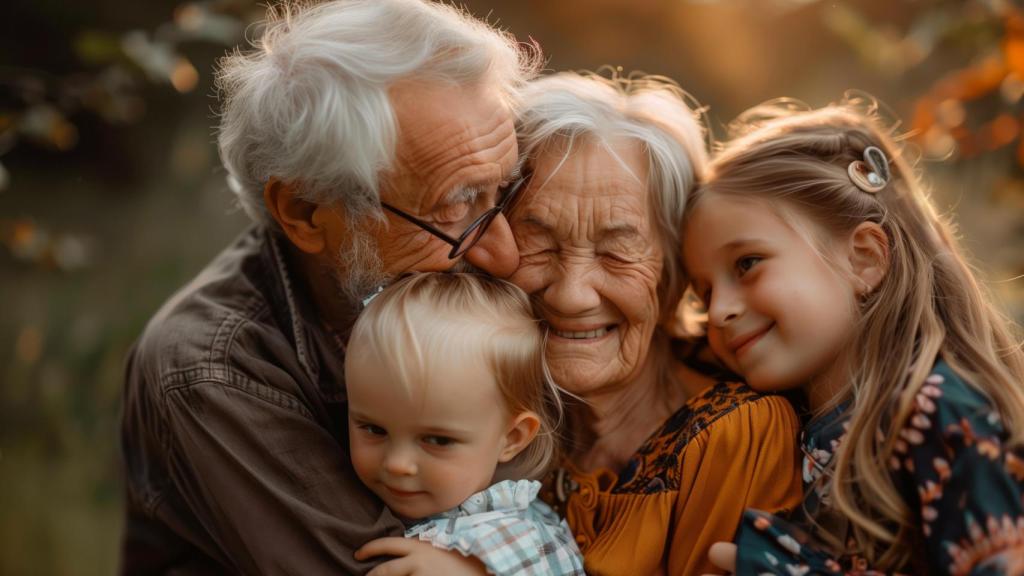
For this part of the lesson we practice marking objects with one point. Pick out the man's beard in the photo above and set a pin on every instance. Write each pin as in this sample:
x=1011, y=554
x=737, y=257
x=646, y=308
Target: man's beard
x=360, y=272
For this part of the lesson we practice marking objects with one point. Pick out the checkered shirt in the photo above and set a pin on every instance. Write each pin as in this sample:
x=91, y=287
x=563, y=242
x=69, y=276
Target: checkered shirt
x=508, y=529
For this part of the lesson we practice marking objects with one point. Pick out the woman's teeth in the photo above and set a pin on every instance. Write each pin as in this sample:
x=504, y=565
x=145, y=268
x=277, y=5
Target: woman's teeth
x=581, y=335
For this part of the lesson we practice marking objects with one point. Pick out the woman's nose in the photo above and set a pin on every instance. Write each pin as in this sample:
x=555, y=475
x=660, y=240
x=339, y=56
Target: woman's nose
x=573, y=289
x=496, y=251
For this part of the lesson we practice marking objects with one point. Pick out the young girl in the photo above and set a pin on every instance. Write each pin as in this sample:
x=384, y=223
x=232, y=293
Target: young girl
x=450, y=416
x=823, y=267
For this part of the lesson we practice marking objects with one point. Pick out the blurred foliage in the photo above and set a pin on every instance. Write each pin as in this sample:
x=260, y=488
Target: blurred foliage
x=111, y=196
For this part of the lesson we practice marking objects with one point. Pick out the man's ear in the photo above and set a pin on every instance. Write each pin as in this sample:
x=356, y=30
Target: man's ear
x=869, y=256
x=302, y=221
x=521, y=432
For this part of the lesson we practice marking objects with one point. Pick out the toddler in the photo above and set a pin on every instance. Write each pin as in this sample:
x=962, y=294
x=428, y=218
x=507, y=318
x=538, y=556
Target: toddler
x=452, y=417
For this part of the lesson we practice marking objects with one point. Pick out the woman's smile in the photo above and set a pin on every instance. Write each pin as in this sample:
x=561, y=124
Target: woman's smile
x=584, y=230
x=585, y=334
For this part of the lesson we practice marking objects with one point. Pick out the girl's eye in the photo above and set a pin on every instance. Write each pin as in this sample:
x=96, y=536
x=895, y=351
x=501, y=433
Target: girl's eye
x=373, y=430
x=438, y=440
x=744, y=264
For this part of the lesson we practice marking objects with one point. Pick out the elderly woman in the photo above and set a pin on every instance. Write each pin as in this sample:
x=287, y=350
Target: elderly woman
x=660, y=460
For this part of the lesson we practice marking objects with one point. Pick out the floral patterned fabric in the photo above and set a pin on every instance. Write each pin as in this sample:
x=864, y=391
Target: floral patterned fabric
x=951, y=468
x=726, y=450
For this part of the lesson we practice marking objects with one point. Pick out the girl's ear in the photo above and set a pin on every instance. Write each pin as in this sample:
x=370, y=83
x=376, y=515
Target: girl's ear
x=521, y=432
x=869, y=256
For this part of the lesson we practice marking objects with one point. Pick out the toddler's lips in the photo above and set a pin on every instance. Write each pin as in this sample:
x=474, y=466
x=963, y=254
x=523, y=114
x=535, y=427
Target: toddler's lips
x=403, y=493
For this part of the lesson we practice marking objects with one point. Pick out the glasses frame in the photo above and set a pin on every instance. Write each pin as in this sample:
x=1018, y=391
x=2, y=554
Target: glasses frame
x=482, y=221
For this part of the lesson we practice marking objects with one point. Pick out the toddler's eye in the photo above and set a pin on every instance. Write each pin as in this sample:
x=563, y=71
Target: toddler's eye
x=373, y=430
x=438, y=440
x=744, y=264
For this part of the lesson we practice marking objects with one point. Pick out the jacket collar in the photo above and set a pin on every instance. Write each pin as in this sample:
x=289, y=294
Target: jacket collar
x=320, y=349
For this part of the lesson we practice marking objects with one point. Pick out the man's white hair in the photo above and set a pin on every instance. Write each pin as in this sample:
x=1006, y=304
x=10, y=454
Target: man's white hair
x=309, y=104
x=559, y=110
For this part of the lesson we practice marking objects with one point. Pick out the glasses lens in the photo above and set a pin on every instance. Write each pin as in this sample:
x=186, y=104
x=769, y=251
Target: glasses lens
x=477, y=229
x=512, y=195
x=474, y=233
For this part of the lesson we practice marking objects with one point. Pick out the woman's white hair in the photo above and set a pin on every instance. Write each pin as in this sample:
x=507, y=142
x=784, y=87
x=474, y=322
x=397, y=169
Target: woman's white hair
x=558, y=110
x=309, y=105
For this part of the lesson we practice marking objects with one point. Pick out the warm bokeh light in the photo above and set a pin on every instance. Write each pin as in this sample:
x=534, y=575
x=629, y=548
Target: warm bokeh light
x=112, y=195
x=184, y=76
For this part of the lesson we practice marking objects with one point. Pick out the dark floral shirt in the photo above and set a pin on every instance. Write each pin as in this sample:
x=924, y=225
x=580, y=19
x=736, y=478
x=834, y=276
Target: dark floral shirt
x=950, y=466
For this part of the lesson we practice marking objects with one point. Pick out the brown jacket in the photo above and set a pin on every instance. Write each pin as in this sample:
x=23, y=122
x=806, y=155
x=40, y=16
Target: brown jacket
x=234, y=432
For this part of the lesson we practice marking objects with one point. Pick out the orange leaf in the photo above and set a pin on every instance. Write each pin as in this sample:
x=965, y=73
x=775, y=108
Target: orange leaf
x=1013, y=52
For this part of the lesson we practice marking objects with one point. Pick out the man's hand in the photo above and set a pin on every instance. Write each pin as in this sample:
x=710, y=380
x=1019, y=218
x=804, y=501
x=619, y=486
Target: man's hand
x=418, y=558
x=723, y=555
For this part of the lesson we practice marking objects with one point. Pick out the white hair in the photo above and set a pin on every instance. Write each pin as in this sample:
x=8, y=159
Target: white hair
x=309, y=105
x=567, y=107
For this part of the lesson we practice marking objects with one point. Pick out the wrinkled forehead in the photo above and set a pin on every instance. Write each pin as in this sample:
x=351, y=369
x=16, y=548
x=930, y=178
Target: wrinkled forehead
x=592, y=186
x=450, y=136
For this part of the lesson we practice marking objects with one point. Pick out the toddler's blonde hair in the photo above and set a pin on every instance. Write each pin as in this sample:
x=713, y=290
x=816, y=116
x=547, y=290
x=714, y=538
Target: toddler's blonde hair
x=428, y=319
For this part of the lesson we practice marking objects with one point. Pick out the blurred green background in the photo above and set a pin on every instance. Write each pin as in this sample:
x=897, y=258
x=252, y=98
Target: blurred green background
x=112, y=195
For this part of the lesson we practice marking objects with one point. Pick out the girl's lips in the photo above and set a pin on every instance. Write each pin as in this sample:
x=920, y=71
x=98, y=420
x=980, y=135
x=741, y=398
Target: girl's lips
x=743, y=344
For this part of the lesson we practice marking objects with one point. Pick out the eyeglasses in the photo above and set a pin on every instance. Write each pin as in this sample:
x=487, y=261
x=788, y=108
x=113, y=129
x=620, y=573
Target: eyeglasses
x=476, y=229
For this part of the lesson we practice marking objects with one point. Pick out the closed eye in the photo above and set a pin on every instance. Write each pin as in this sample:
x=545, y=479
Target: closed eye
x=539, y=251
x=620, y=257
x=453, y=213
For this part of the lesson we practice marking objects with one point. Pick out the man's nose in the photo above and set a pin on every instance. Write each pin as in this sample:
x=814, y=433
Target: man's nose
x=496, y=251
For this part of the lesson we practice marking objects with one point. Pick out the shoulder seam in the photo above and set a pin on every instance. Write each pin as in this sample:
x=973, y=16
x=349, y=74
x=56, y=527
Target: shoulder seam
x=238, y=381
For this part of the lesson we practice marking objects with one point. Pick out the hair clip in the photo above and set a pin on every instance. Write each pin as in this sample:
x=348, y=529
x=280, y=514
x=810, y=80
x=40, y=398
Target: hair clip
x=872, y=173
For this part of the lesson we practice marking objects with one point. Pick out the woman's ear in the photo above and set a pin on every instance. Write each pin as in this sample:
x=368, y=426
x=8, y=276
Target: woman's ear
x=869, y=256
x=306, y=224
x=521, y=432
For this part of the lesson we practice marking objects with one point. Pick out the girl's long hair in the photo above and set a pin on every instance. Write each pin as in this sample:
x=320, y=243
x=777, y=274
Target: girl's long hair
x=930, y=304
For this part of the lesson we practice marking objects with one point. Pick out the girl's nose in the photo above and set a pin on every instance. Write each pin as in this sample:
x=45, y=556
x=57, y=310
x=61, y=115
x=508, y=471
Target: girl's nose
x=725, y=307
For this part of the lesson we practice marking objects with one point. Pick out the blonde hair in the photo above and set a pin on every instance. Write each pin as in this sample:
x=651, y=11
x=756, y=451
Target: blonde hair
x=929, y=304
x=428, y=319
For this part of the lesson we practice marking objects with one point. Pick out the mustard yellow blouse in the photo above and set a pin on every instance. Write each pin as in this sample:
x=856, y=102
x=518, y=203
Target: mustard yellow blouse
x=725, y=450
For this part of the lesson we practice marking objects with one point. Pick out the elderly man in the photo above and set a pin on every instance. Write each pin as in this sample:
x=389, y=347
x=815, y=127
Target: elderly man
x=365, y=138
